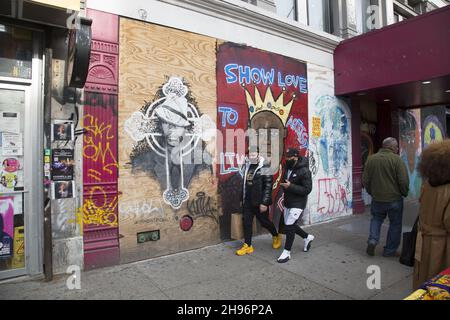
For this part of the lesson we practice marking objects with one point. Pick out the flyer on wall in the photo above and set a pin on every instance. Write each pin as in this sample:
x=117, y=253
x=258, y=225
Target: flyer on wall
x=10, y=121
x=62, y=164
x=12, y=144
x=62, y=130
x=11, y=174
x=6, y=226
x=63, y=190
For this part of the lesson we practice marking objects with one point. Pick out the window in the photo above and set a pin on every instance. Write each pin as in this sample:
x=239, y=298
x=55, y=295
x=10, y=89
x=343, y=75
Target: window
x=284, y=8
x=287, y=9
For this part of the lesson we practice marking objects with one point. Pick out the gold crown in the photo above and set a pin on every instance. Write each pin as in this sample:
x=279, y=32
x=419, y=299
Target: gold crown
x=275, y=106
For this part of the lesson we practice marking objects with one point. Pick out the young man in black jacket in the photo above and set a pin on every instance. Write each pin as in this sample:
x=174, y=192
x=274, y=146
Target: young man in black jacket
x=257, y=197
x=297, y=186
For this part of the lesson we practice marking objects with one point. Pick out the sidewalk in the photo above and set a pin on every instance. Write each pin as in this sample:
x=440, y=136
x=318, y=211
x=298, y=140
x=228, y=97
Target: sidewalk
x=335, y=268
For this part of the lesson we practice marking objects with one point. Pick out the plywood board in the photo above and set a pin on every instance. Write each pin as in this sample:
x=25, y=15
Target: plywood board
x=149, y=56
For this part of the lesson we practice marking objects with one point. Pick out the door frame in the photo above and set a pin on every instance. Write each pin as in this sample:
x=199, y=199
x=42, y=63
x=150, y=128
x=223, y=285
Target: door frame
x=33, y=160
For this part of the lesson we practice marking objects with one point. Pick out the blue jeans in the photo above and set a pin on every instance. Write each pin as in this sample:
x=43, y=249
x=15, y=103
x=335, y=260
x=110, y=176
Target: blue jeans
x=394, y=210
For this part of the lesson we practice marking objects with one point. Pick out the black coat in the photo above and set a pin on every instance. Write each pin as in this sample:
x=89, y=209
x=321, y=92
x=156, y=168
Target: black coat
x=261, y=191
x=296, y=196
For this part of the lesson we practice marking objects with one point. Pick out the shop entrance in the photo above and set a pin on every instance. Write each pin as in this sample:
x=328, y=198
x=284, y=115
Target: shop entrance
x=21, y=125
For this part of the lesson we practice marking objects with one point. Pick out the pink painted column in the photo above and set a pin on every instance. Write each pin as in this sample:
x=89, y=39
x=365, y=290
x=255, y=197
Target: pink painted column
x=100, y=165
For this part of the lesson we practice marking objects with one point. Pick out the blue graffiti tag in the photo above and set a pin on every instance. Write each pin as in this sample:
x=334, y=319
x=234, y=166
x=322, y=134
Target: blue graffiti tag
x=248, y=75
x=299, y=128
x=229, y=115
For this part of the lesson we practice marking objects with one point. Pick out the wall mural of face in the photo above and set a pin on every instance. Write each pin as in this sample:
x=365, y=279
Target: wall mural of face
x=273, y=130
x=167, y=132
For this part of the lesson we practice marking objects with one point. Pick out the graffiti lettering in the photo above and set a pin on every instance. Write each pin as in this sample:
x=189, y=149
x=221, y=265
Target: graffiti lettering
x=144, y=210
x=229, y=115
x=332, y=198
x=313, y=165
x=97, y=145
x=230, y=162
x=299, y=128
x=98, y=208
x=249, y=75
x=203, y=206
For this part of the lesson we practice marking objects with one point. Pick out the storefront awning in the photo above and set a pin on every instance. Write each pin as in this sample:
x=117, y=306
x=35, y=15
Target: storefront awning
x=406, y=64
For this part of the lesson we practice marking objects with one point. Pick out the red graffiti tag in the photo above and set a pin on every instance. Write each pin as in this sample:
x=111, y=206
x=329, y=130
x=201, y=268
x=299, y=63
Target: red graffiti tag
x=332, y=198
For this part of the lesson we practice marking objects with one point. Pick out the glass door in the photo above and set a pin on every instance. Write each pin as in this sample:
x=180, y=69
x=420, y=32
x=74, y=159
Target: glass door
x=14, y=104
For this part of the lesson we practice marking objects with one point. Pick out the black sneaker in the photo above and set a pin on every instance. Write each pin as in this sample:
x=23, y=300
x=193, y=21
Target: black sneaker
x=371, y=249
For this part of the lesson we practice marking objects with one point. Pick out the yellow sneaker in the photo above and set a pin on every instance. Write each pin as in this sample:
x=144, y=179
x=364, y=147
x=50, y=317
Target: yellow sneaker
x=276, y=244
x=245, y=250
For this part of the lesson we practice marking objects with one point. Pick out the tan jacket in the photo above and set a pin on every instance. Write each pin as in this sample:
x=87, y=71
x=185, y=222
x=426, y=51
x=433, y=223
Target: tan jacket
x=433, y=238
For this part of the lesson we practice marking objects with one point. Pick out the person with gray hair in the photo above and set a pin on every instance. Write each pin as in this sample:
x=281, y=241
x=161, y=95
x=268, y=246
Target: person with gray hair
x=386, y=180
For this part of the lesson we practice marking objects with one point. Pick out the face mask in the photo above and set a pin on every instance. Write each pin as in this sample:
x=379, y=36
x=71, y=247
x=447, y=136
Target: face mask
x=290, y=163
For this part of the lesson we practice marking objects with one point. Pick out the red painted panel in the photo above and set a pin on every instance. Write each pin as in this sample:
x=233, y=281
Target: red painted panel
x=105, y=26
x=281, y=83
x=100, y=149
x=100, y=169
x=413, y=50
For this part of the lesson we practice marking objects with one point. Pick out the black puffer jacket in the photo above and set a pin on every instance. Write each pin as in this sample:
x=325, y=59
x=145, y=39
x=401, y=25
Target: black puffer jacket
x=261, y=191
x=296, y=196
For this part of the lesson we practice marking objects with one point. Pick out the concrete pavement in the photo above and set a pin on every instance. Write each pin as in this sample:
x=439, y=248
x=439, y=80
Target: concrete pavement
x=335, y=268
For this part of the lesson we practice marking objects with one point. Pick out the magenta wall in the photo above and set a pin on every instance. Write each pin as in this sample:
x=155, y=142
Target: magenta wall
x=413, y=50
x=100, y=166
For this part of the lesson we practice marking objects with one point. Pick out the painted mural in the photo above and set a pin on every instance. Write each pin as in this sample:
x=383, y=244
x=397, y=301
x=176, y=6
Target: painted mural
x=257, y=90
x=167, y=146
x=434, y=121
x=329, y=150
x=168, y=132
x=411, y=148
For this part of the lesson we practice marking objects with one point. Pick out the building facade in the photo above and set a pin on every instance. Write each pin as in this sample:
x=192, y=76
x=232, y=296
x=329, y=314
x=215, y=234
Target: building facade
x=144, y=159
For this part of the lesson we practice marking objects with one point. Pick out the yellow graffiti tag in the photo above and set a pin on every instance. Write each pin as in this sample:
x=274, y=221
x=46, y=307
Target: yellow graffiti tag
x=99, y=150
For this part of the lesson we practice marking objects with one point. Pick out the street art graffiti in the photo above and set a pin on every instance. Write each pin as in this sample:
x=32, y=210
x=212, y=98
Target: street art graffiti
x=433, y=130
x=169, y=132
x=329, y=154
x=143, y=211
x=168, y=117
x=333, y=142
x=268, y=92
x=230, y=162
x=332, y=197
x=100, y=161
x=203, y=206
x=97, y=146
x=228, y=115
x=99, y=208
x=300, y=130
x=411, y=148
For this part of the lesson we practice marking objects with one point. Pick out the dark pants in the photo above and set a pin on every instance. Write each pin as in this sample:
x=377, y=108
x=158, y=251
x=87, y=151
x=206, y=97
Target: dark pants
x=291, y=231
x=263, y=218
x=394, y=210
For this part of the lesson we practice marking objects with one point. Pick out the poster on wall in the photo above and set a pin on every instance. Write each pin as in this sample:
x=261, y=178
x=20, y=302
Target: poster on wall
x=6, y=226
x=62, y=130
x=11, y=176
x=10, y=121
x=12, y=144
x=62, y=164
x=63, y=190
